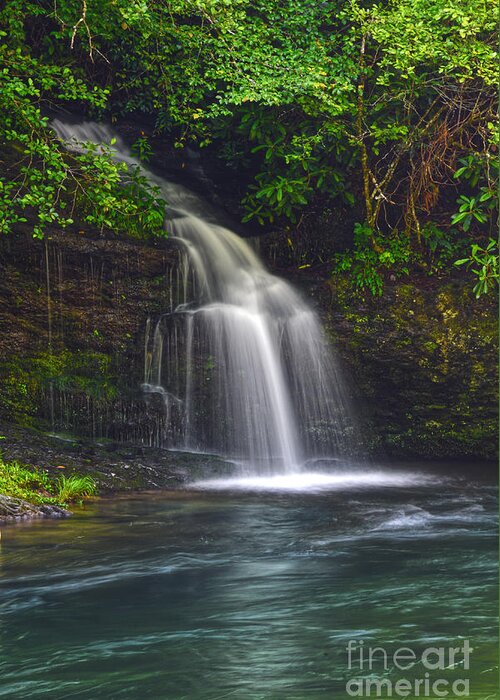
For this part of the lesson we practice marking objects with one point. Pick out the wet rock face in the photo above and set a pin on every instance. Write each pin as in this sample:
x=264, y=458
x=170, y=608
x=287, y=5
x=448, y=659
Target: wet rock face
x=424, y=361
x=73, y=311
x=422, y=358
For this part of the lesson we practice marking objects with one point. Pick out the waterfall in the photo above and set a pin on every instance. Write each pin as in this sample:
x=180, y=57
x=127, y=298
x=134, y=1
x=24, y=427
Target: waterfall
x=239, y=361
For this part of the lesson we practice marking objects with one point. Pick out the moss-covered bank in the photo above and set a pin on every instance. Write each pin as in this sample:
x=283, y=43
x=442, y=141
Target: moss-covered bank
x=424, y=362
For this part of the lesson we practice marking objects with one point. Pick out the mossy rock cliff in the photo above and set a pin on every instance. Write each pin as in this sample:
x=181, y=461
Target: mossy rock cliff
x=423, y=359
x=73, y=311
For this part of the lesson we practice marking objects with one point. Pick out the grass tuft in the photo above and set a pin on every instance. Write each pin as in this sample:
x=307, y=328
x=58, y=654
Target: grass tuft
x=75, y=488
x=34, y=485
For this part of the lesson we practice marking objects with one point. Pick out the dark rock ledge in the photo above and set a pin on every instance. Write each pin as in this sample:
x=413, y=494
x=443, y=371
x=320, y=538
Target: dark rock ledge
x=13, y=510
x=116, y=467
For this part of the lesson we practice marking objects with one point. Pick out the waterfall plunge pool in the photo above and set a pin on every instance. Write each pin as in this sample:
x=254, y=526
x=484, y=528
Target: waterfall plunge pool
x=251, y=593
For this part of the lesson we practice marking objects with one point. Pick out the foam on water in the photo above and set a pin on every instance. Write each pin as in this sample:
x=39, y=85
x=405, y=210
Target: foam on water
x=414, y=518
x=316, y=481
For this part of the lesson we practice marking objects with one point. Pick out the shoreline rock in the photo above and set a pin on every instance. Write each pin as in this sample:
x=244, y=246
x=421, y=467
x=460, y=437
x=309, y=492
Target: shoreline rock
x=15, y=510
x=116, y=467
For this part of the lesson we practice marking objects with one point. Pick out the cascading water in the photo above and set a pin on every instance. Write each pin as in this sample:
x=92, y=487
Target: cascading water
x=239, y=360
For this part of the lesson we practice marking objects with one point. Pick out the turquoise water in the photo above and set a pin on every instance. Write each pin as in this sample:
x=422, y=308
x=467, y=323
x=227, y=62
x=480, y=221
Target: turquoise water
x=250, y=594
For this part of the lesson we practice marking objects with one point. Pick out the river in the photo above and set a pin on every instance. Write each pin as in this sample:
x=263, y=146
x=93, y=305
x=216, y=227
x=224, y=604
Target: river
x=253, y=591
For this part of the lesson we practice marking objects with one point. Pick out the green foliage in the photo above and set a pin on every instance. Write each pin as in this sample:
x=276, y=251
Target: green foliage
x=142, y=149
x=324, y=105
x=36, y=486
x=425, y=40
x=479, y=173
x=368, y=262
x=41, y=181
x=74, y=488
x=477, y=210
x=483, y=262
x=18, y=481
x=277, y=198
x=470, y=208
x=118, y=196
x=442, y=246
x=316, y=106
x=38, y=177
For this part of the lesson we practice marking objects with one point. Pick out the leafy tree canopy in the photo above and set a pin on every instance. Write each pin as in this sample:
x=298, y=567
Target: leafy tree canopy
x=386, y=108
